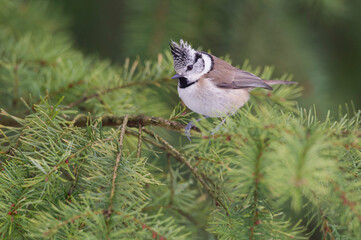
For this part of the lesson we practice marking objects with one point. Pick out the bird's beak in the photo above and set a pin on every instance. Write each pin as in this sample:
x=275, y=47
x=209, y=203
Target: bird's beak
x=177, y=76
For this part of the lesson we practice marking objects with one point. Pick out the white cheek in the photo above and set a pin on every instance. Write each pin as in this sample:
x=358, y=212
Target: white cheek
x=207, y=67
x=207, y=63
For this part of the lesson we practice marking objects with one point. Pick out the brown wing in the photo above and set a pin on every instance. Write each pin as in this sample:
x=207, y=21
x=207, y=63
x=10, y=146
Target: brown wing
x=224, y=75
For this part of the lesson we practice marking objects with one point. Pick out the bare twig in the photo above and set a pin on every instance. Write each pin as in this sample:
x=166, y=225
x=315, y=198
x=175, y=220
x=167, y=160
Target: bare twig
x=134, y=121
x=119, y=155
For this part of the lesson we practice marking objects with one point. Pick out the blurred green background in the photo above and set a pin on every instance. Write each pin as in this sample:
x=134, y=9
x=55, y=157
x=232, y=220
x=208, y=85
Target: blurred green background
x=318, y=41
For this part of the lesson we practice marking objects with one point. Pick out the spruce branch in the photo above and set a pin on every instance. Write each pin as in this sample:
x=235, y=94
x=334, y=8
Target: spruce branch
x=112, y=121
x=95, y=95
x=119, y=155
x=16, y=84
x=139, y=145
x=71, y=220
x=68, y=86
x=347, y=202
x=135, y=121
x=171, y=177
x=76, y=168
x=140, y=223
x=310, y=164
x=179, y=157
x=326, y=229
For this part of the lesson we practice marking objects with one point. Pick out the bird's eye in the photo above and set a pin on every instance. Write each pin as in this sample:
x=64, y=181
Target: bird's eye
x=189, y=67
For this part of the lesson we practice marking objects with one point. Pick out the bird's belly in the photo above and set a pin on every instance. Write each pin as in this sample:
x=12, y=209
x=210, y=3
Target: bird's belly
x=206, y=99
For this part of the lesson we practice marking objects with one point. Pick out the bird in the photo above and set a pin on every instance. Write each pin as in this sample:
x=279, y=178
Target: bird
x=211, y=86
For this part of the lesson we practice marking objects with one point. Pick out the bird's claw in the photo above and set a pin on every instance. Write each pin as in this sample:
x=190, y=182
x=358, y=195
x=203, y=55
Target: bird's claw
x=216, y=129
x=188, y=130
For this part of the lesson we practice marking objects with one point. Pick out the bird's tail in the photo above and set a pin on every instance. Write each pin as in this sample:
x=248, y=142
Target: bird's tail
x=272, y=82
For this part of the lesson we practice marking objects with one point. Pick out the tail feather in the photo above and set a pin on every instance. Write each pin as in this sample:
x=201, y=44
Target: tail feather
x=272, y=82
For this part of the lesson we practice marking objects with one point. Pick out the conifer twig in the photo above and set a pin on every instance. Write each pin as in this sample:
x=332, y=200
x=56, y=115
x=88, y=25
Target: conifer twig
x=179, y=157
x=257, y=174
x=134, y=121
x=346, y=201
x=16, y=85
x=64, y=161
x=113, y=121
x=86, y=214
x=70, y=221
x=119, y=155
x=171, y=179
x=97, y=94
x=139, y=140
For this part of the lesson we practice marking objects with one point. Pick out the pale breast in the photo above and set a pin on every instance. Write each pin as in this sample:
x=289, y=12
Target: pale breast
x=205, y=98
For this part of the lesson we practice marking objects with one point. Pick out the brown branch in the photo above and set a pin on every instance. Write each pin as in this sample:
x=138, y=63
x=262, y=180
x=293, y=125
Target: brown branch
x=134, y=121
x=87, y=97
x=179, y=157
x=119, y=155
x=115, y=121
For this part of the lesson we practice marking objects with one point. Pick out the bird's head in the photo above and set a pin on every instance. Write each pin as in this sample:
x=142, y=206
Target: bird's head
x=189, y=63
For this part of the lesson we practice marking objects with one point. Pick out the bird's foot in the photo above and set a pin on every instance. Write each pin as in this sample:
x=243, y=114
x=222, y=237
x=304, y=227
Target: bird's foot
x=189, y=127
x=216, y=129
x=188, y=130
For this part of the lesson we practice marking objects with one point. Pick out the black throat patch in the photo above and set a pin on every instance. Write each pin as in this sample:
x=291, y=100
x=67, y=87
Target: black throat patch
x=183, y=82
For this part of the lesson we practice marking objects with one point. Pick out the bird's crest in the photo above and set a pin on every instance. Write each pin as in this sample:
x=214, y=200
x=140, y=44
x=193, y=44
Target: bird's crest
x=182, y=53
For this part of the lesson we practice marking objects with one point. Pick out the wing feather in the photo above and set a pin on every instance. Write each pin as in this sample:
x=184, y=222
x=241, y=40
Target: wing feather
x=224, y=75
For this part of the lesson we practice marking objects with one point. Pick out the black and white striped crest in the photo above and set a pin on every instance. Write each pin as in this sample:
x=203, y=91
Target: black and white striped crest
x=183, y=54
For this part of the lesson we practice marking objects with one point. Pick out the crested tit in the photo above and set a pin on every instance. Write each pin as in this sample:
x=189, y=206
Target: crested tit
x=209, y=85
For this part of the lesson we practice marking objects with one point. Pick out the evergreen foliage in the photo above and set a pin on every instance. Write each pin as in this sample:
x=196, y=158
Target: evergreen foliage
x=79, y=161
x=317, y=40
